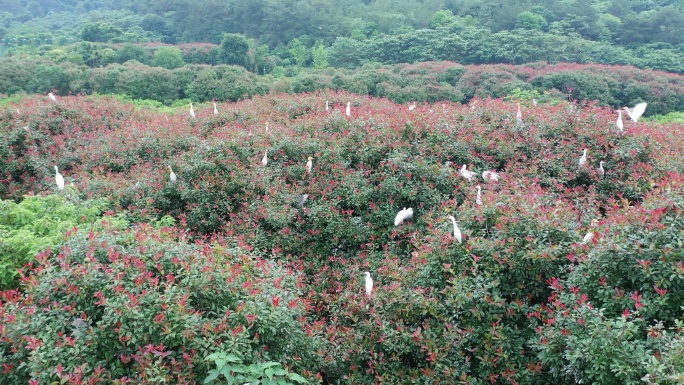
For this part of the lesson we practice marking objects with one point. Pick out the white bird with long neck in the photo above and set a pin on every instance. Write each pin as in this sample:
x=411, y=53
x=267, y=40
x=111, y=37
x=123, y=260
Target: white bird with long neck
x=309, y=165
x=620, y=126
x=192, y=111
x=52, y=96
x=403, y=215
x=534, y=102
x=478, y=197
x=601, y=171
x=59, y=179
x=172, y=175
x=518, y=115
x=264, y=160
x=636, y=112
x=266, y=126
x=369, y=284
x=590, y=234
x=348, y=109
x=326, y=105
x=412, y=107
x=583, y=158
x=468, y=175
x=457, y=231
x=215, y=109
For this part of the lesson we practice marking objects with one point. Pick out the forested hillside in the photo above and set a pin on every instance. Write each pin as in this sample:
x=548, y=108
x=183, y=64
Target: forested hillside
x=354, y=32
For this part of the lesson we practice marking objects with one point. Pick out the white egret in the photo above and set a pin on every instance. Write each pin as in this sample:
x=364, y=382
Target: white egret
x=583, y=158
x=412, y=107
x=534, y=102
x=637, y=111
x=52, y=96
x=264, y=160
x=302, y=199
x=348, y=110
x=266, y=126
x=518, y=115
x=457, y=231
x=403, y=215
x=309, y=164
x=601, y=171
x=172, y=175
x=192, y=111
x=590, y=234
x=466, y=174
x=59, y=179
x=369, y=284
x=620, y=126
x=490, y=176
x=478, y=198
x=326, y=106
x=215, y=109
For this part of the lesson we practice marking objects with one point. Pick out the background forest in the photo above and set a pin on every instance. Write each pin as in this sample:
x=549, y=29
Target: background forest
x=151, y=49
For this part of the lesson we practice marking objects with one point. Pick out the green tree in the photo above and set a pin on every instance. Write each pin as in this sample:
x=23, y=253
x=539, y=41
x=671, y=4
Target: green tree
x=132, y=52
x=100, y=32
x=529, y=20
x=233, y=49
x=298, y=52
x=443, y=19
x=168, y=57
x=320, y=55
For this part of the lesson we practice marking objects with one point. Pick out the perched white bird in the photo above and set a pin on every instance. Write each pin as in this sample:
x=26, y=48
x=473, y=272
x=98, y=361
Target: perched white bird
x=369, y=284
x=478, y=198
x=403, y=215
x=264, y=160
x=52, y=96
x=457, y=231
x=172, y=175
x=348, y=110
x=412, y=107
x=490, y=176
x=534, y=102
x=302, y=199
x=590, y=234
x=266, y=126
x=466, y=174
x=518, y=115
x=215, y=109
x=326, y=106
x=309, y=164
x=59, y=179
x=583, y=158
x=620, y=126
x=192, y=111
x=637, y=111
x=601, y=171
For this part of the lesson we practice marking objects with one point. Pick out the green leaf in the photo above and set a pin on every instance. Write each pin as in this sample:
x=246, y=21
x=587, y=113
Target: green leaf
x=213, y=374
x=297, y=377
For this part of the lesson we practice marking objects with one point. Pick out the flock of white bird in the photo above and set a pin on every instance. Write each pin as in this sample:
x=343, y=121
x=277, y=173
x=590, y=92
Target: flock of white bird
x=407, y=213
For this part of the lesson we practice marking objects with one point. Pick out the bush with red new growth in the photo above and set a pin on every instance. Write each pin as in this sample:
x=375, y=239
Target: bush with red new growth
x=144, y=306
x=441, y=312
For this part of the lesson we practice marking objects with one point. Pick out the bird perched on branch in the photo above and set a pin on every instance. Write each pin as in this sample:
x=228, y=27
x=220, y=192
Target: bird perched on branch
x=309, y=164
x=620, y=126
x=583, y=158
x=52, y=96
x=490, y=176
x=369, y=284
x=403, y=215
x=172, y=175
x=192, y=111
x=59, y=179
x=215, y=109
x=264, y=160
x=457, y=231
x=601, y=171
x=466, y=174
x=348, y=109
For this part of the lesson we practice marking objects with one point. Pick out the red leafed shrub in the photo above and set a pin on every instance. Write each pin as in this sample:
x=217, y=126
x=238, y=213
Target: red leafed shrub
x=144, y=306
x=607, y=319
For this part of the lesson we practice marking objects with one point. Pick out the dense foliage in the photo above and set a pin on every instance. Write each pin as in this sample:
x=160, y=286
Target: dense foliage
x=265, y=35
x=257, y=271
x=614, y=86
